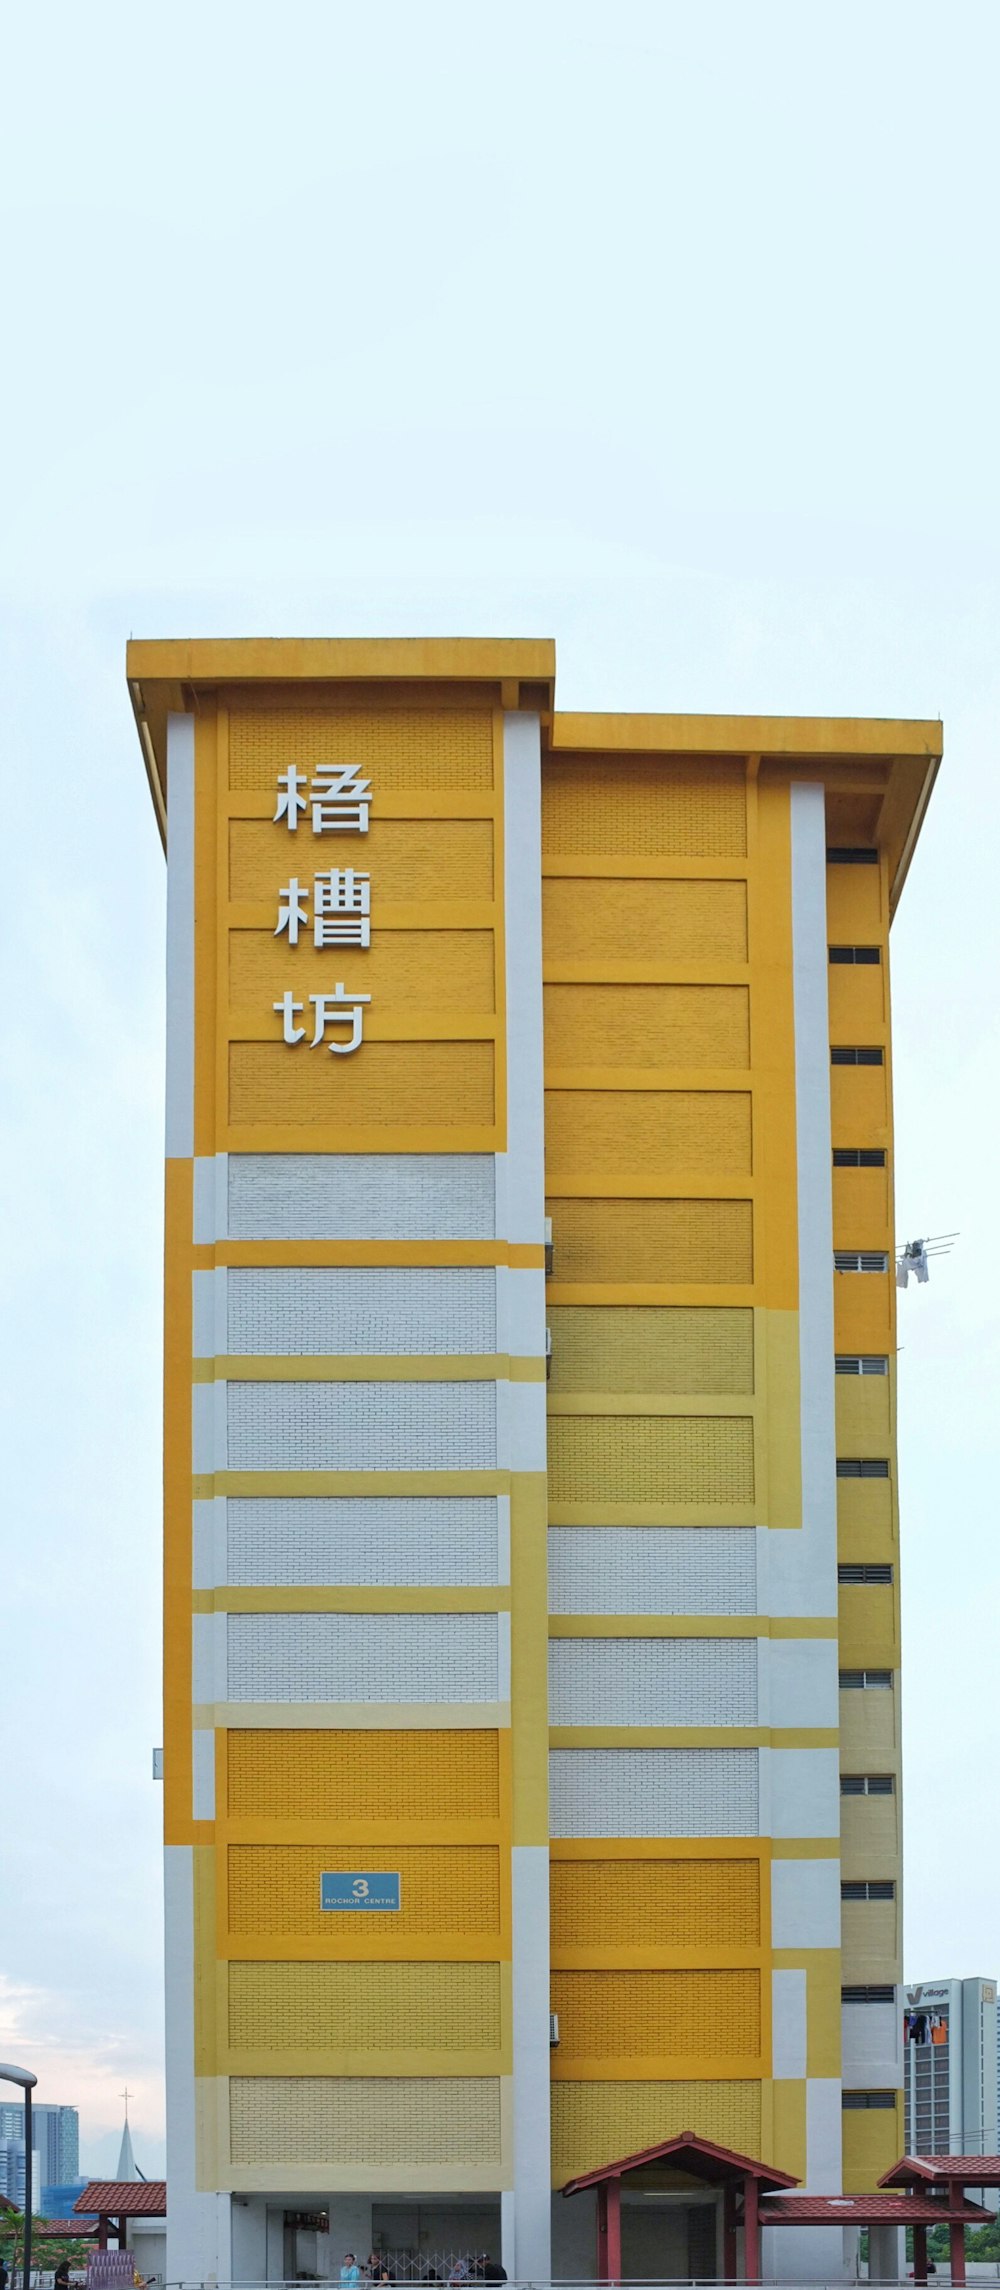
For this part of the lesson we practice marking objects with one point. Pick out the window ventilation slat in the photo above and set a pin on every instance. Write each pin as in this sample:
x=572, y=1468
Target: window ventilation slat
x=841, y=1054
x=862, y=1467
x=858, y=1157
x=851, y=855
x=860, y=1260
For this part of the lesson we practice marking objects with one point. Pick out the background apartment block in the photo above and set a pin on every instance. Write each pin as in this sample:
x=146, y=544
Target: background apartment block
x=56, y=2136
x=951, y=2068
x=618, y=1646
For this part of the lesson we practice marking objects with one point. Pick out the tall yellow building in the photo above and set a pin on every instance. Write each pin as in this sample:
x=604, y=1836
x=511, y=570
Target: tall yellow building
x=530, y=1450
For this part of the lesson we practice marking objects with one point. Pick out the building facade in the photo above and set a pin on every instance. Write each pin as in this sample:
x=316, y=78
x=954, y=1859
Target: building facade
x=55, y=2133
x=951, y=2072
x=531, y=1549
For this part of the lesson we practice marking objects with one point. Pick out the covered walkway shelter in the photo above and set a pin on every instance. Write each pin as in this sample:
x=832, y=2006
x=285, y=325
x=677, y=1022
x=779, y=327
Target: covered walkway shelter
x=681, y=2170
x=689, y=2171
x=941, y=2181
x=115, y=2201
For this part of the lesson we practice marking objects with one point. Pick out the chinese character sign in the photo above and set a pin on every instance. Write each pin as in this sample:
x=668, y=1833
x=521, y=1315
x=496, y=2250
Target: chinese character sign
x=334, y=909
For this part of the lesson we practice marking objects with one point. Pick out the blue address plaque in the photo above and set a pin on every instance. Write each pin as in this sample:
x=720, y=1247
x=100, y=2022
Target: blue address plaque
x=359, y=1889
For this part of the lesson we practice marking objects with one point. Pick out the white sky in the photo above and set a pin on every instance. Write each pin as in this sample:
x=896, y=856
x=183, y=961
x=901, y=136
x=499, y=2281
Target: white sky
x=670, y=332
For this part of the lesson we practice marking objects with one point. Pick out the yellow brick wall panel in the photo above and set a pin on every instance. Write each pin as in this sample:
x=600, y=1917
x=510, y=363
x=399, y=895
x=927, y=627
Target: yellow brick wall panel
x=655, y=1904
x=864, y=1518
x=364, y=2007
x=604, y=1133
x=869, y=1937
x=867, y=1626
x=408, y=859
x=650, y=1348
x=702, y=1242
x=857, y=1000
x=397, y=748
x=854, y=908
x=274, y=1890
x=441, y=972
x=375, y=2122
x=861, y=1211
x=873, y=2142
x=869, y=1836
x=612, y=2015
x=647, y=1026
x=862, y=1409
x=862, y=1312
x=868, y=1735
x=437, y=1775
x=651, y=1459
x=647, y=807
x=388, y=1085
x=585, y=920
x=858, y=1100
x=592, y=2122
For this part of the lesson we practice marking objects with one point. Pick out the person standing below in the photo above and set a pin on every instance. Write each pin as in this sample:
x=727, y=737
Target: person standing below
x=350, y=2272
x=60, y=2279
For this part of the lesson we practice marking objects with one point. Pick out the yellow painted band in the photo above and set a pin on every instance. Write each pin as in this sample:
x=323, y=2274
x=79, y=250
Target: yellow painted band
x=517, y=1254
x=640, y=2068
x=651, y=1403
x=379, y=1367
x=367, y=1948
x=391, y=2063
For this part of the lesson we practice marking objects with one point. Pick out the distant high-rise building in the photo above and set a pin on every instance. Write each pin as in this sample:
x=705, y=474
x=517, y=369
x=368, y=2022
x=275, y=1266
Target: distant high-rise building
x=56, y=2136
x=12, y=2172
x=950, y=2067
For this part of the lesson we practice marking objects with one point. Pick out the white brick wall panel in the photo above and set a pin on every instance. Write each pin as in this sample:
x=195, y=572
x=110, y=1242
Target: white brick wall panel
x=653, y=1792
x=652, y=1570
x=361, y=1427
x=362, y=1657
x=367, y=1309
x=361, y=1196
x=870, y=2043
x=653, y=1681
x=399, y=1540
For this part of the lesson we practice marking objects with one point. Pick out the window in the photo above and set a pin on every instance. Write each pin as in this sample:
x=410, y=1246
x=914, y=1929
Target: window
x=840, y=1055
x=862, y=1467
x=868, y=2098
x=860, y=1260
x=858, y=1157
x=870, y=1888
x=881, y=1992
x=861, y=1364
x=851, y=855
x=867, y=1785
x=849, y=1678
x=869, y=1571
x=856, y=954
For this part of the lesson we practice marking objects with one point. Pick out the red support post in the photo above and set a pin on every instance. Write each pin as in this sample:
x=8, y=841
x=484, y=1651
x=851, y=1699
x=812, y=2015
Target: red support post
x=956, y=2249
x=602, y=2230
x=920, y=2254
x=614, y=2273
x=751, y=2231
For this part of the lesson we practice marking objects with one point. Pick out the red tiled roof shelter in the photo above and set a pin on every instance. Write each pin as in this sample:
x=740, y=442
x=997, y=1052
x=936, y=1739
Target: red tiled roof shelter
x=862, y=2210
x=65, y=2230
x=117, y=2200
x=742, y=2180
x=948, y=2174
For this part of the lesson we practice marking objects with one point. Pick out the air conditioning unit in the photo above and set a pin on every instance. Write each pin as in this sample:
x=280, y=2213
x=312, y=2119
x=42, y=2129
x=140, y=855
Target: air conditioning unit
x=553, y=2030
